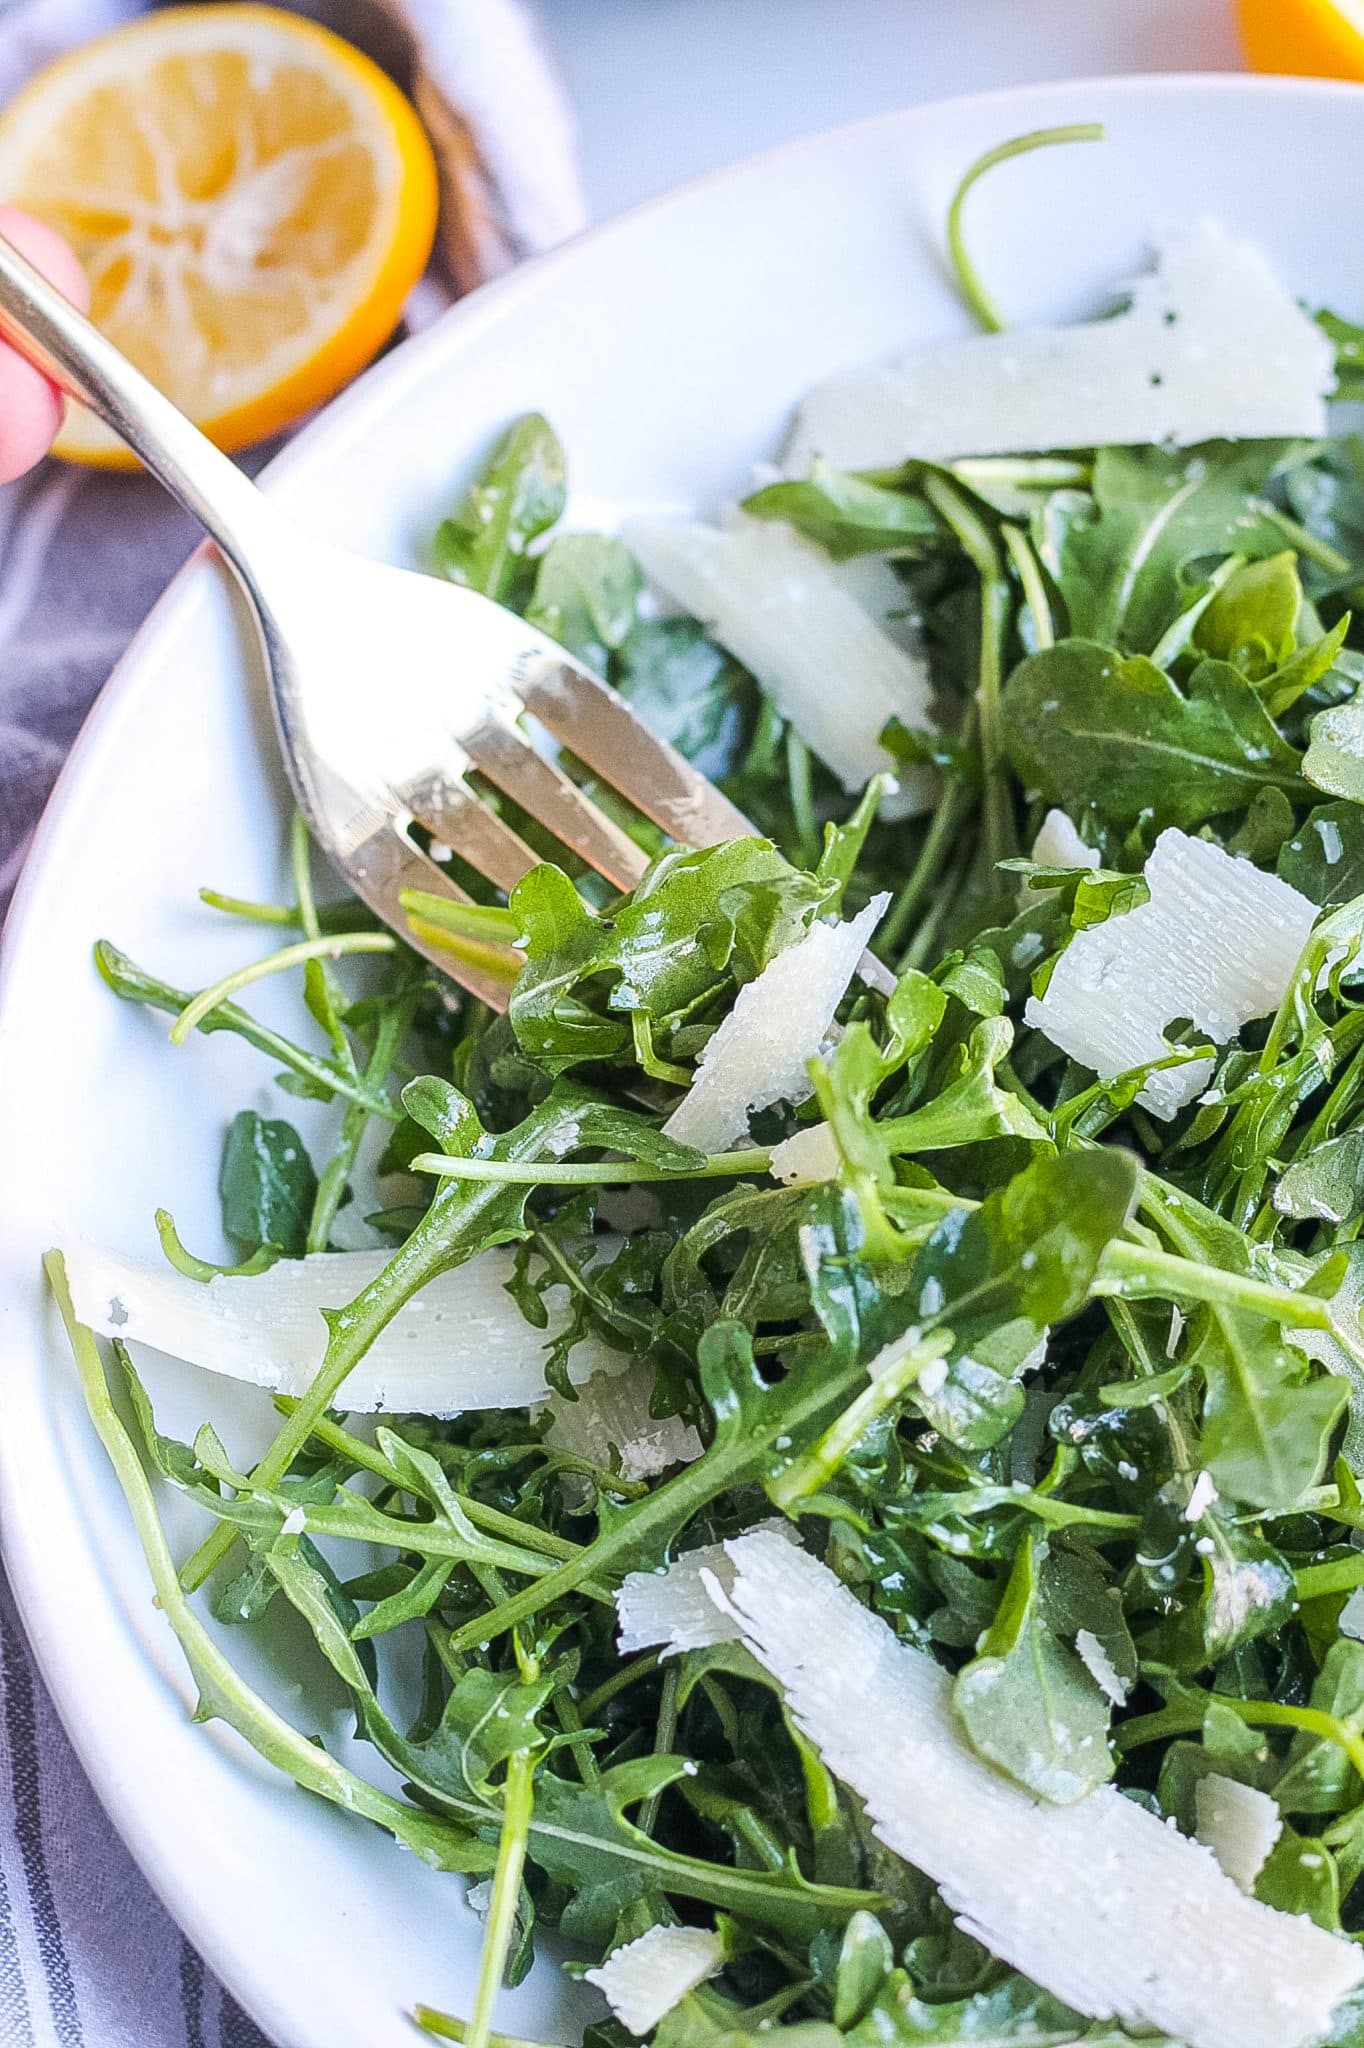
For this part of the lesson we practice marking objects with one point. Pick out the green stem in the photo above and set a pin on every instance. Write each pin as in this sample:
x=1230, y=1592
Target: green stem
x=1305, y=541
x=222, y=1692
x=586, y=1173
x=335, y=1176
x=517, y=1800
x=665, y=1734
x=331, y=917
x=968, y=277
x=446, y=2027
x=131, y=985
x=807, y=1474
x=1342, y=1575
x=1029, y=571
x=978, y=542
x=1182, y=1720
x=939, y=840
x=328, y=947
x=628, y=1675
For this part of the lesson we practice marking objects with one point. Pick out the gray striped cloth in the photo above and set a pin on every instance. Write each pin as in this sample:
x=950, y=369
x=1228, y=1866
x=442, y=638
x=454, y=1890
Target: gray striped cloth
x=88, y=1956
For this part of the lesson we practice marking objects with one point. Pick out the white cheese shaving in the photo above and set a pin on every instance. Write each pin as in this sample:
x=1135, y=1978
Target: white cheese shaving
x=807, y=1156
x=1212, y=347
x=1100, y=1902
x=761, y=1052
x=781, y=608
x=1058, y=844
x=672, y=1608
x=1217, y=942
x=1239, y=1825
x=1352, y=1615
x=1202, y=1494
x=460, y=1343
x=611, y=1413
x=647, y=1978
x=294, y=1523
x=1100, y=1667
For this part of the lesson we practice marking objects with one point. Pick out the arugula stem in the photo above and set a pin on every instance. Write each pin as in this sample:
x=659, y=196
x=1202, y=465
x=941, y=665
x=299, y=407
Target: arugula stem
x=131, y=985
x=223, y=1694
x=1341, y=1575
x=1029, y=569
x=806, y=1475
x=643, y=1666
x=996, y=605
x=1305, y=541
x=184, y=1261
x=447, y=2028
x=517, y=1799
x=665, y=1734
x=328, y=947
x=1183, y=1719
x=331, y=917
x=587, y=1173
x=968, y=277
x=492, y=1521
x=335, y=1176
x=939, y=840
x=798, y=780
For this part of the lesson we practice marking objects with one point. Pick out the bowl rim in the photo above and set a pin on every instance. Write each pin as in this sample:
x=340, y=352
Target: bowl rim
x=57, y=1656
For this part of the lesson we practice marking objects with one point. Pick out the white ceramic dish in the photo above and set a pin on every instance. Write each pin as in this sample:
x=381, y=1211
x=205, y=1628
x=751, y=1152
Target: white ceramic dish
x=667, y=348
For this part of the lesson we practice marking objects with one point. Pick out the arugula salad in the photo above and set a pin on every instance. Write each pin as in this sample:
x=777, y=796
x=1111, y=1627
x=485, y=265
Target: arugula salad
x=835, y=1484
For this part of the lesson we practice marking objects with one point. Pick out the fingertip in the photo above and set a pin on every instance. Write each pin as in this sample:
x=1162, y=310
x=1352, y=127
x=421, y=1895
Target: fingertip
x=31, y=407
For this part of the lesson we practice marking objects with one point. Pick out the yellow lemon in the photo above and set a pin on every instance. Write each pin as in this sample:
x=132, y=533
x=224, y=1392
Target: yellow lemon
x=251, y=199
x=1313, y=38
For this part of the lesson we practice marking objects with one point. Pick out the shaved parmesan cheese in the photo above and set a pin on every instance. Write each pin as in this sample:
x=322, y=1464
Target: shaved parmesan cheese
x=1100, y=1667
x=781, y=608
x=461, y=1343
x=1239, y=1825
x=1218, y=943
x=610, y=1414
x=1058, y=844
x=672, y=1608
x=1211, y=348
x=760, y=1053
x=1100, y=1902
x=807, y=1156
x=647, y=1978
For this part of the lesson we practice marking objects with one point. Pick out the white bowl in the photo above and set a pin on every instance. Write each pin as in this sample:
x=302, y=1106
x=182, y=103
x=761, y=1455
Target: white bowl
x=668, y=349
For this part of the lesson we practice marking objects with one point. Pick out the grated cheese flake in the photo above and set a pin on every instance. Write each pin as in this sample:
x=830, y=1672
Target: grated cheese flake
x=1239, y=1825
x=1100, y=1667
x=1351, y=1621
x=460, y=1343
x=1058, y=844
x=1099, y=1902
x=806, y=1157
x=1217, y=942
x=610, y=1414
x=782, y=608
x=648, y=1977
x=761, y=1051
x=1212, y=347
x=673, y=1609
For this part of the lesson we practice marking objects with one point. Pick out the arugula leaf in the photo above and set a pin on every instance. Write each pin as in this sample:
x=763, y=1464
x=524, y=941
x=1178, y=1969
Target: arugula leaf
x=1267, y=1424
x=1334, y=760
x=1086, y=726
x=518, y=496
x=586, y=588
x=848, y=515
x=1028, y=1704
x=1123, y=557
x=266, y=1184
x=1325, y=856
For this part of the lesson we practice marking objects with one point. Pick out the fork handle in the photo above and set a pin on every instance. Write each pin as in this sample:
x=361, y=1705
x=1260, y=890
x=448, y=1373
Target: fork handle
x=58, y=340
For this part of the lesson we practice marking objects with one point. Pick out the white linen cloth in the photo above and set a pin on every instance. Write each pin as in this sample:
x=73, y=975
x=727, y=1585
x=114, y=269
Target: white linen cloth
x=88, y=1957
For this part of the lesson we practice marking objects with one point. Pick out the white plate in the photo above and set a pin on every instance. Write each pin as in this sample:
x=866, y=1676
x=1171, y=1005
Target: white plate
x=667, y=348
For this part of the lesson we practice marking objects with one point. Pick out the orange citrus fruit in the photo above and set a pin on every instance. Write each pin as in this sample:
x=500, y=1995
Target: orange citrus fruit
x=1311, y=38
x=251, y=198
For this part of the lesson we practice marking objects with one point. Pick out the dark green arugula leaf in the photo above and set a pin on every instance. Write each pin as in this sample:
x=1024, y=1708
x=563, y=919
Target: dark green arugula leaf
x=1325, y=856
x=266, y=1184
x=1334, y=760
x=1267, y=1423
x=848, y=515
x=1327, y=1185
x=1085, y=726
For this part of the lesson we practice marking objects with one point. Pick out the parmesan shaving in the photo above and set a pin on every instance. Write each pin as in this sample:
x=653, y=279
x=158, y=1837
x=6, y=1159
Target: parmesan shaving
x=807, y=1156
x=1352, y=1616
x=1100, y=1902
x=1239, y=1825
x=782, y=608
x=761, y=1052
x=1212, y=347
x=672, y=1609
x=460, y=1343
x=1100, y=1667
x=647, y=1978
x=1058, y=844
x=1217, y=942
x=610, y=1414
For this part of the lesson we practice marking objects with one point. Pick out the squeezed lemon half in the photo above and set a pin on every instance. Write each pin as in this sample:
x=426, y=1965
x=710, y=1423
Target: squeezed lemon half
x=251, y=198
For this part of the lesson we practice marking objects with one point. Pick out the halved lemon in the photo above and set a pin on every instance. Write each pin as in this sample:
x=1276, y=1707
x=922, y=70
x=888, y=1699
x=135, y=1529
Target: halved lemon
x=1311, y=38
x=251, y=198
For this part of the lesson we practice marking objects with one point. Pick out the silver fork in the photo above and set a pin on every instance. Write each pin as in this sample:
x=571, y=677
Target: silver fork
x=389, y=687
